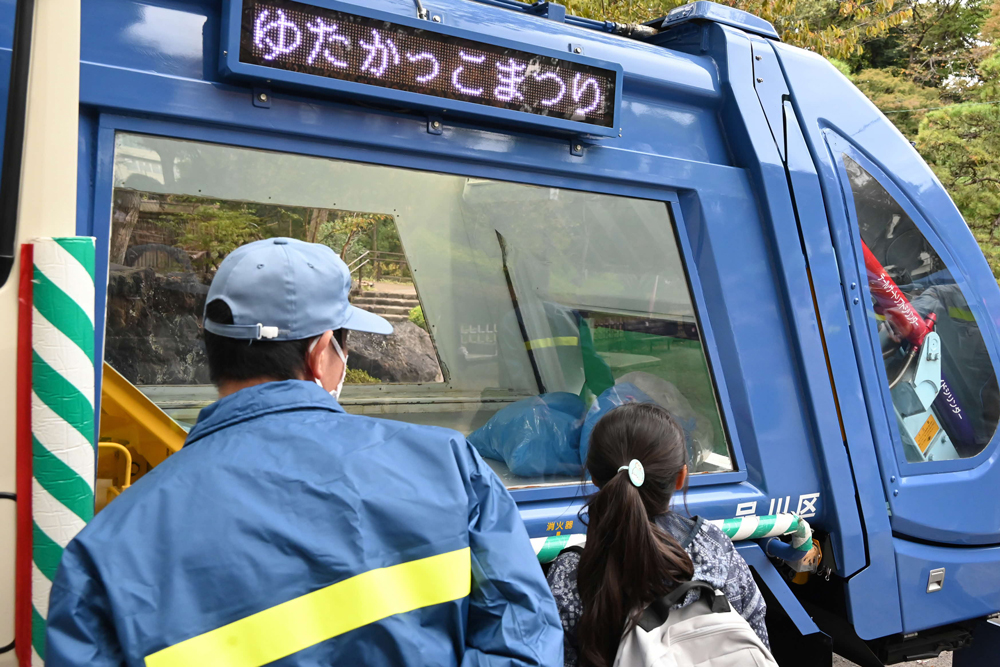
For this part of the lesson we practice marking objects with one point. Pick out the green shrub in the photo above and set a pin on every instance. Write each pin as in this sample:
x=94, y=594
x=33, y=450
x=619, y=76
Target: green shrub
x=417, y=317
x=358, y=376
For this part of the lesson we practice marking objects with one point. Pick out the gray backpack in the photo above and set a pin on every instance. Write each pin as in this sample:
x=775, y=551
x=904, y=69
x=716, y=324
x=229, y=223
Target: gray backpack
x=706, y=633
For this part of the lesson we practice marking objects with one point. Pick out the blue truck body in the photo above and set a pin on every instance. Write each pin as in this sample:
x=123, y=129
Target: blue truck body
x=744, y=137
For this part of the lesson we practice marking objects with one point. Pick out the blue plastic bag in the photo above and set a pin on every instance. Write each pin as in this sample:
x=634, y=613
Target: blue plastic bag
x=610, y=399
x=536, y=436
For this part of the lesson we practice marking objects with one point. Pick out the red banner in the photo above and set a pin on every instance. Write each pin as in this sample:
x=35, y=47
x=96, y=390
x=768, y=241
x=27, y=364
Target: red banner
x=892, y=303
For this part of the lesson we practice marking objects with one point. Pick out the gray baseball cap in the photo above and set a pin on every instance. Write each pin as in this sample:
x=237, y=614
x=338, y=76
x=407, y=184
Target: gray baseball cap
x=285, y=289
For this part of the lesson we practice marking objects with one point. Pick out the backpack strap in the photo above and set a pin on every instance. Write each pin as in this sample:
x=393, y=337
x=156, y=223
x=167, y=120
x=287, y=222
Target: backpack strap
x=657, y=613
x=689, y=538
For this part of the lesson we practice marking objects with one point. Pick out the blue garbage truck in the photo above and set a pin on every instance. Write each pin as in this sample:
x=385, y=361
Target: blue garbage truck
x=557, y=213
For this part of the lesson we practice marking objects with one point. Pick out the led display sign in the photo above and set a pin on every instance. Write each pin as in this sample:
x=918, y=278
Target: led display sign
x=346, y=47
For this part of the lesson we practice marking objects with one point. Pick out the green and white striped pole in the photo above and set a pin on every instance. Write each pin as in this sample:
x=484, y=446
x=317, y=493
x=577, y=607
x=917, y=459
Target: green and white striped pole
x=62, y=411
x=758, y=527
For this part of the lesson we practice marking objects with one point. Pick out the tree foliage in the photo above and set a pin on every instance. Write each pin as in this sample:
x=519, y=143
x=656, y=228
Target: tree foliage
x=905, y=100
x=831, y=28
x=214, y=230
x=941, y=39
x=209, y=229
x=991, y=27
x=961, y=142
x=845, y=27
x=962, y=145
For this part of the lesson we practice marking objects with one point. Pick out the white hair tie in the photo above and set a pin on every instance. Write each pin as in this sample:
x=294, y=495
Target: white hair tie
x=636, y=473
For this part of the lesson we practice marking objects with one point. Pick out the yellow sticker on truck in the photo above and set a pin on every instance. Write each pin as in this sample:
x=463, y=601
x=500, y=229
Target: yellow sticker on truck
x=926, y=433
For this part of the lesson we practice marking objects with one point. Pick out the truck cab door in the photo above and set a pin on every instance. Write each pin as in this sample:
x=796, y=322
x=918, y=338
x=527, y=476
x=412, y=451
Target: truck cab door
x=934, y=378
x=922, y=306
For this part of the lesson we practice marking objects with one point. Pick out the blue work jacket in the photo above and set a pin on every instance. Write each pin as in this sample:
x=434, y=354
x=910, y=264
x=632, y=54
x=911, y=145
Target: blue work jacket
x=288, y=532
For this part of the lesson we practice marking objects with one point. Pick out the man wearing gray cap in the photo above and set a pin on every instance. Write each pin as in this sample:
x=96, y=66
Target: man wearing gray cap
x=287, y=532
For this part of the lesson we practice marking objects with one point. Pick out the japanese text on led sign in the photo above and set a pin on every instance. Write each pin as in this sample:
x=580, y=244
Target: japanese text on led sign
x=292, y=36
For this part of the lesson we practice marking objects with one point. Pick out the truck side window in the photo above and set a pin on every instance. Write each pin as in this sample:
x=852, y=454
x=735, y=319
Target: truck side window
x=942, y=381
x=500, y=293
x=174, y=222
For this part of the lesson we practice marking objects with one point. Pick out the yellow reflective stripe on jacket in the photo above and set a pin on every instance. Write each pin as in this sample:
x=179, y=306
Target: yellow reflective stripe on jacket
x=559, y=341
x=315, y=617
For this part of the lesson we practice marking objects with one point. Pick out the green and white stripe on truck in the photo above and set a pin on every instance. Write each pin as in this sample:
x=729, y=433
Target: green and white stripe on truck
x=737, y=529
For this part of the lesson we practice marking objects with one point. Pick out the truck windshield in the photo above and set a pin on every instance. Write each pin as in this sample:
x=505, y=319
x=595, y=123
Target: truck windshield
x=518, y=310
x=915, y=293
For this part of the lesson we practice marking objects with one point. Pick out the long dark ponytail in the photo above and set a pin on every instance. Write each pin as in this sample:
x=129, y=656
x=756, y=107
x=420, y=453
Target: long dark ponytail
x=628, y=560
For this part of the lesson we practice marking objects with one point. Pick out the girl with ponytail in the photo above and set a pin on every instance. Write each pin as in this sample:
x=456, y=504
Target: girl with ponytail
x=637, y=550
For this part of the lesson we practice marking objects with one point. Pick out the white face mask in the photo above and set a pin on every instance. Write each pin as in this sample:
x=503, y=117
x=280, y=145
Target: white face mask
x=343, y=357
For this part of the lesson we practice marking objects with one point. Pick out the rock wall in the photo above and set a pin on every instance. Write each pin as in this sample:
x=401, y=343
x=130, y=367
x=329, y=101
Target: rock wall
x=407, y=355
x=153, y=333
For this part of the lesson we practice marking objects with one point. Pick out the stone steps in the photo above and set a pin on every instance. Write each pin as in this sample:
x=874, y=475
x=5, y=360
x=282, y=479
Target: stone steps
x=393, y=306
x=387, y=295
x=367, y=302
x=403, y=311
